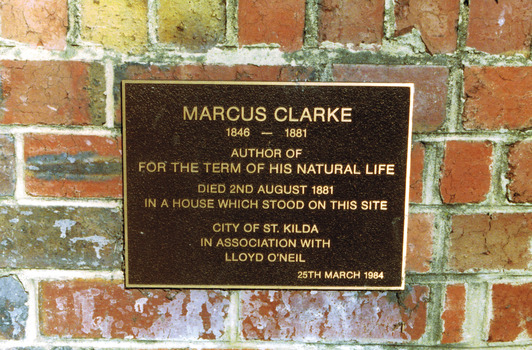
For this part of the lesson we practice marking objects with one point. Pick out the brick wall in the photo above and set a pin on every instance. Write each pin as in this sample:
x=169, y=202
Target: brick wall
x=469, y=282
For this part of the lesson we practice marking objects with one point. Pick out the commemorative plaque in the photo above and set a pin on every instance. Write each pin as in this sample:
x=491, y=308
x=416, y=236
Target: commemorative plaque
x=266, y=185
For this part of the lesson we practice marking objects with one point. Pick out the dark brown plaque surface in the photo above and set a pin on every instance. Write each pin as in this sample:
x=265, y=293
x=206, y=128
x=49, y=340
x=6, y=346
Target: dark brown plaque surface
x=266, y=185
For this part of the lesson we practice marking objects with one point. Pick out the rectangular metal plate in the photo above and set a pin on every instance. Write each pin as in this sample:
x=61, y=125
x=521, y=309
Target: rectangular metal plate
x=266, y=185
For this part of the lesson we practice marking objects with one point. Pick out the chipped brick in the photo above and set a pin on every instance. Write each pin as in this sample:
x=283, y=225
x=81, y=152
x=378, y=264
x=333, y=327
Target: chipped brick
x=497, y=98
x=436, y=20
x=351, y=21
x=73, y=166
x=60, y=237
x=274, y=21
x=466, y=172
x=430, y=83
x=37, y=23
x=334, y=316
x=46, y=92
x=490, y=242
x=520, y=173
x=104, y=309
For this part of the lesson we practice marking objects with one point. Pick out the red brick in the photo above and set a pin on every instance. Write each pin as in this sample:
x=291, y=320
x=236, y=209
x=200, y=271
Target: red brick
x=466, y=172
x=73, y=166
x=436, y=20
x=334, y=316
x=512, y=312
x=352, y=21
x=419, y=253
x=104, y=309
x=490, y=242
x=430, y=84
x=500, y=27
x=520, y=163
x=209, y=73
x=38, y=23
x=417, y=159
x=46, y=92
x=497, y=98
x=7, y=165
x=454, y=314
x=273, y=21
x=223, y=73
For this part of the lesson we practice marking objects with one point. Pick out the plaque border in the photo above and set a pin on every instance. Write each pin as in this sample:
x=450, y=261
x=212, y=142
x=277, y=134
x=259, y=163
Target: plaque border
x=127, y=284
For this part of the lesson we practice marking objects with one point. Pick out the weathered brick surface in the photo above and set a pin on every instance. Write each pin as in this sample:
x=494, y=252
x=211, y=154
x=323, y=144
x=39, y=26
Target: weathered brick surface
x=13, y=308
x=417, y=159
x=116, y=24
x=497, y=98
x=436, y=20
x=7, y=165
x=73, y=166
x=207, y=73
x=351, y=21
x=520, y=173
x=194, y=25
x=466, y=172
x=334, y=316
x=430, y=82
x=202, y=72
x=60, y=237
x=38, y=23
x=490, y=242
x=512, y=312
x=500, y=27
x=453, y=314
x=52, y=92
x=272, y=21
x=104, y=309
x=419, y=253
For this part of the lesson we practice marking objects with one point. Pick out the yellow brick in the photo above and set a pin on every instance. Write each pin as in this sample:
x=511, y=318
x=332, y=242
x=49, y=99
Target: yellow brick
x=193, y=24
x=117, y=24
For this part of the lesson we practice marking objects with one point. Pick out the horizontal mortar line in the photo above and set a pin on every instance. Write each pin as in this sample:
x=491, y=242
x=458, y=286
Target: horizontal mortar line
x=61, y=130
x=85, y=53
x=474, y=136
x=470, y=277
x=472, y=57
x=116, y=343
x=167, y=54
x=49, y=202
x=364, y=344
x=266, y=344
x=458, y=209
x=220, y=344
x=58, y=274
x=205, y=344
x=243, y=56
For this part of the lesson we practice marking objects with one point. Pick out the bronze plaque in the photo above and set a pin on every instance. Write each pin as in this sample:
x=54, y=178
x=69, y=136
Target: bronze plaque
x=266, y=185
